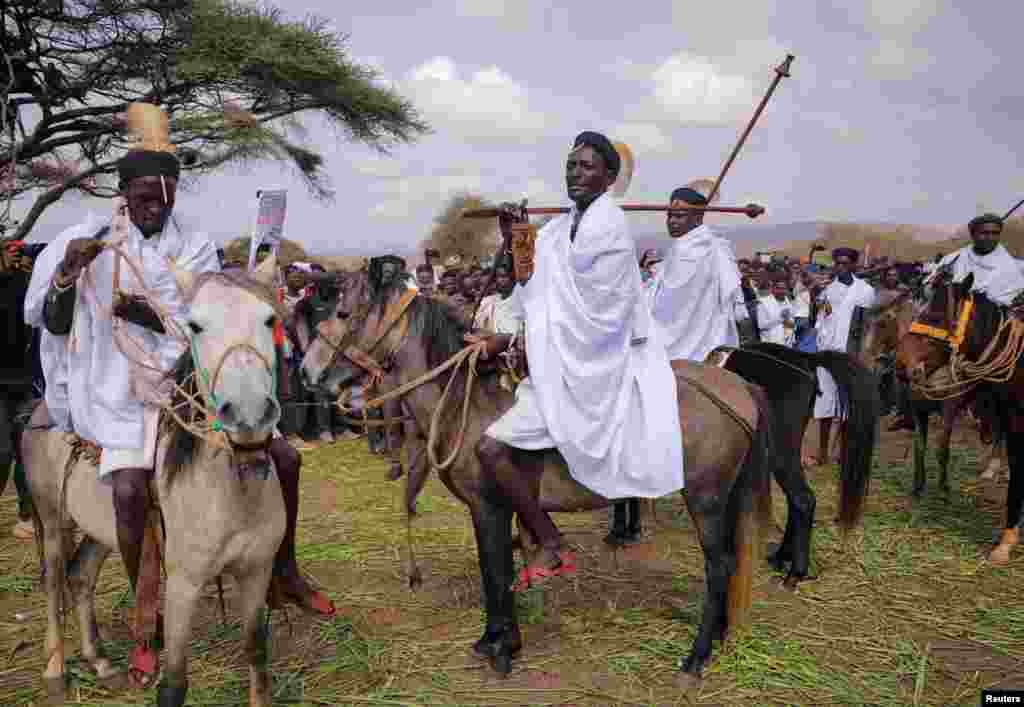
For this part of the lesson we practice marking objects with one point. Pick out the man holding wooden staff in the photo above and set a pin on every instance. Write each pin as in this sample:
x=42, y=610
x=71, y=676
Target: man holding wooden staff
x=600, y=389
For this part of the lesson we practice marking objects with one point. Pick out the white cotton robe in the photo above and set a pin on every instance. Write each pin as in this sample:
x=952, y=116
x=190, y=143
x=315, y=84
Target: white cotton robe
x=498, y=315
x=91, y=386
x=694, y=296
x=601, y=389
x=997, y=274
x=771, y=322
x=833, y=334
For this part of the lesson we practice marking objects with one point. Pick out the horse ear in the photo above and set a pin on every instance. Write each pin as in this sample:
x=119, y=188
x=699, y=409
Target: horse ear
x=183, y=278
x=264, y=274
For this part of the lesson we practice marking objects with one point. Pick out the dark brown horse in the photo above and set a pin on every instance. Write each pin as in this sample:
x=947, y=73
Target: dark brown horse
x=788, y=378
x=726, y=429
x=884, y=328
x=928, y=348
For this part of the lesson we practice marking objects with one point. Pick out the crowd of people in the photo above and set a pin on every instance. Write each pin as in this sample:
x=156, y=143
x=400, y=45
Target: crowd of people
x=599, y=327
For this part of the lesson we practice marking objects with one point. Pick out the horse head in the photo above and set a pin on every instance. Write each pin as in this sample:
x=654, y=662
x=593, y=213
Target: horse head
x=884, y=325
x=926, y=347
x=231, y=325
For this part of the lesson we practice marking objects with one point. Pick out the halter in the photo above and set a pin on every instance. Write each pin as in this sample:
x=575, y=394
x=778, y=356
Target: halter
x=955, y=338
x=394, y=315
x=206, y=384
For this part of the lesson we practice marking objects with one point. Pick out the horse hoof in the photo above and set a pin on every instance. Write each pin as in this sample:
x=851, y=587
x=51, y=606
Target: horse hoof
x=687, y=682
x=171, y=696
x=502, y=664
x=55, y=688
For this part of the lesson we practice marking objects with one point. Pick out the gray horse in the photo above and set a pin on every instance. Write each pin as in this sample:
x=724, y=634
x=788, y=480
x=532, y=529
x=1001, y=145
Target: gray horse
x=217, y=519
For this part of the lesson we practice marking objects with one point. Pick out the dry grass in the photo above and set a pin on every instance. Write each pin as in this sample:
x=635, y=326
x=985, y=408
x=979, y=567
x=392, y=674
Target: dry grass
x=906, y=614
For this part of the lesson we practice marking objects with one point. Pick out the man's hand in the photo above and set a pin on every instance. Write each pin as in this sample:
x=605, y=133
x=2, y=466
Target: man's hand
x=137, y=310
x=493, y=345
x=79, y=254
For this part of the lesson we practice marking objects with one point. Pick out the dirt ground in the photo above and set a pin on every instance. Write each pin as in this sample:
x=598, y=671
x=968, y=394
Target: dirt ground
x=904, y=612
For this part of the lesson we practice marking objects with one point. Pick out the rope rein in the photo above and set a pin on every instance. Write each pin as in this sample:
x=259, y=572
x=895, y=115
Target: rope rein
x=997, y=363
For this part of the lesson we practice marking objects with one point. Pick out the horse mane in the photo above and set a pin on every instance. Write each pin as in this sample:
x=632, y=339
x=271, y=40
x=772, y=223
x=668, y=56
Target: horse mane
x=985, y=322
x=183, y=446
x=441, y=327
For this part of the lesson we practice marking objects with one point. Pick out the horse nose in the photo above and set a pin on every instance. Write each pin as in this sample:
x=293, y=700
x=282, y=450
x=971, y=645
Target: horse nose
x=232, y=419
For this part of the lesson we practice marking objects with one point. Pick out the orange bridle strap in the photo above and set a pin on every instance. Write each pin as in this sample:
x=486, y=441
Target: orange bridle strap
x=954, y=339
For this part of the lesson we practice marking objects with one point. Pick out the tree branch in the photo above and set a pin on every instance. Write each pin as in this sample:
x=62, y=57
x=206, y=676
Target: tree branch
x=53, y=195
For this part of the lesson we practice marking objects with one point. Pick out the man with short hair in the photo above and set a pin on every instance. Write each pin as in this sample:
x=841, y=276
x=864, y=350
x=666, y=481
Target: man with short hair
x=996, y=272
x=775, y=313
x=837, y=305
x=601, y=390
x=425, y=279
x=696, y=296
x=497, y=314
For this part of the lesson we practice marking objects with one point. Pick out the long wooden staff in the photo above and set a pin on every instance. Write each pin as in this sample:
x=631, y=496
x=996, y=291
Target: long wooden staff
x=781, y=71
x=1009, y=213
x=751, y=210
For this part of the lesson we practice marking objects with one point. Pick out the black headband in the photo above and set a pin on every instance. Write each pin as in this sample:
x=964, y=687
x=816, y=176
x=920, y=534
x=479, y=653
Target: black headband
x=602, y=146
x=690, y=196
x=145, y=163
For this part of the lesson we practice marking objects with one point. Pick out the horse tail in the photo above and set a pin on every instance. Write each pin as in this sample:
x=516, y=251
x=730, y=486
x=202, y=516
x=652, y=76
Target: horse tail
x=749, y=513
x=859, y=400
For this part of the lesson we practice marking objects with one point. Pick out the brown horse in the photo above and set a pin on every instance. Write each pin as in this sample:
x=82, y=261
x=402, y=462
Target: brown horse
x=725, y=429
x=884, y=327
x=921, y=354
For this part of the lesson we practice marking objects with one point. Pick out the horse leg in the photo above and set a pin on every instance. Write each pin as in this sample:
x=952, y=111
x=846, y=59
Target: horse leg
x=796, y=542
x=83, y=571
x=182, y=597
x=920, y=447
x=1014, y=492
x=53, y=540
x=256, y=634
x=708, y=515
x=501, y=639
x=949, y=413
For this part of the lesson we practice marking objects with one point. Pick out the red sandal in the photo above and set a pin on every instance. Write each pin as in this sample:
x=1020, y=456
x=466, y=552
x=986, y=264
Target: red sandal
x=142, y=663
x=531, y=576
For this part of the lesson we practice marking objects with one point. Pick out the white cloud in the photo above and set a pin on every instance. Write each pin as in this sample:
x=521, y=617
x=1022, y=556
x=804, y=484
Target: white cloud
x=900, y=16
x=419, y=194
x=642, y=138
x=695, y=90
x=487, y=104
x=897, y=59
x=377, y=167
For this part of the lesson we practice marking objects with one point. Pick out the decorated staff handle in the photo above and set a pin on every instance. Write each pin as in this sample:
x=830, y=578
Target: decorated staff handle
x=750, y=210
x=507, y=214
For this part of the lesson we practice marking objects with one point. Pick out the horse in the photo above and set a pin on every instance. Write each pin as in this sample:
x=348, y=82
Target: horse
x=790, y=383
x=726, y=429
x=217, y=518
x=969, y=322
x=884, y=327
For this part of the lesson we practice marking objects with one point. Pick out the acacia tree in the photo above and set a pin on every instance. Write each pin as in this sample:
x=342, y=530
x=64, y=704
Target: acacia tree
x=232, y=77
x=453, y=234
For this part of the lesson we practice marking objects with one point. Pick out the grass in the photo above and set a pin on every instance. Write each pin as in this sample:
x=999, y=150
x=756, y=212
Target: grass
x=904, y=611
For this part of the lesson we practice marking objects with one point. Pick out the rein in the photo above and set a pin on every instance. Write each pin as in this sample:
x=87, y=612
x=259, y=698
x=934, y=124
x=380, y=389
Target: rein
x=997, y=363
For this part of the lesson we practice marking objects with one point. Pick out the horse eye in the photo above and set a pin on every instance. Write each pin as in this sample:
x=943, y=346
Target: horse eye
x=195, y=328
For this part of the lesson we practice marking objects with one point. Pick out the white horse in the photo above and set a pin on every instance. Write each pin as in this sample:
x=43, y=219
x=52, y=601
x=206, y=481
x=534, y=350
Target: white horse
x=217, y=518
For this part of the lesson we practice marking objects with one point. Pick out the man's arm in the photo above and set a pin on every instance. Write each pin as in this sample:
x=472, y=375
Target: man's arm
x=137, y=310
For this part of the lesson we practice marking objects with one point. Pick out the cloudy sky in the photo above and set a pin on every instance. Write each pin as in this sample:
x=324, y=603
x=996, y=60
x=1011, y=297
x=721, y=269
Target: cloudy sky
x=897, y=110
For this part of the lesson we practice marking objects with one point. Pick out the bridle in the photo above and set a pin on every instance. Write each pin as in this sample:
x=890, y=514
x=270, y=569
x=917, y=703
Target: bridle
x=951, y=335
x=394, y=316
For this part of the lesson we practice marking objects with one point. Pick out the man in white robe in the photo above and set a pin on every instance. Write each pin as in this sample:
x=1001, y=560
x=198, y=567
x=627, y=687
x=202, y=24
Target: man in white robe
x=835, y=315
x=996, y=272
x=93, y=388
x=498, y=312
x=600, y=388
x=775, y=314
x=696, y=296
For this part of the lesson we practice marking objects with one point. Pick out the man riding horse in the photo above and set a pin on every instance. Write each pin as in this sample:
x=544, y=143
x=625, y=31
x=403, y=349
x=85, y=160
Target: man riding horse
x=93, y=388
x=600, y=388
x=695, y=298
